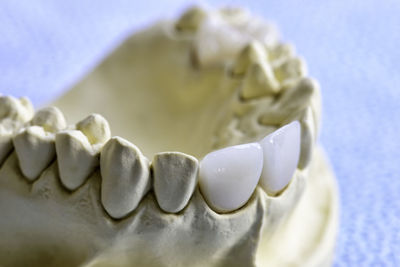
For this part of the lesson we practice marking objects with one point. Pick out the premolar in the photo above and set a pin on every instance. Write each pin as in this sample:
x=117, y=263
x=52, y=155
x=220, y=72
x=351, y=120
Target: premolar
x=281, y=155
x=228, y=177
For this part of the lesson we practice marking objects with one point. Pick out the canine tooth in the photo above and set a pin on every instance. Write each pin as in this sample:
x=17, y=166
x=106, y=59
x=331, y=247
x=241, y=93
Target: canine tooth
x=191, y=19
x=281, y=155
x=96, y=128
x=50, y=118
x=229, y=176
x=308, y=137
x=252, y=53
x=175, y=178
x=76, y=158
x=35, y=150
x=259, y=81
x=125, y=177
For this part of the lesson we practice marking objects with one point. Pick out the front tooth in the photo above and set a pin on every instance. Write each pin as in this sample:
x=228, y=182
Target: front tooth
x=281, y=155
x=35, y=150
x=78, y=150
x=76, y=158
x=259, y=81
x=228, y=177
x=50, y=118
x=175, y=178
x=125, y=177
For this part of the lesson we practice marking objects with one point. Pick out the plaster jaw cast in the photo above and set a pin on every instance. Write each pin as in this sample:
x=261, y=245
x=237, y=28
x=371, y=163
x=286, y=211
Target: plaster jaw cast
x=250, y=188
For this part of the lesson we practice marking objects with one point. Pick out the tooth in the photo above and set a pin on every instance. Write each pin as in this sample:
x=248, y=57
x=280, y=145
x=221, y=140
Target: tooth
x=291, y=69
x=228, y=177
x=125, y=177
x=5, y=143
x=308, y=137
x=175, y=178
x=191, y=19
x=96, y=129
x=76, y=158
x=260, y=30
x=20, y=110
x=50, y=118
x=78, y=150
x=259, y=81
x=217, y=41
x=281, y=151
x=252, y=53
x=281, y=53
x=35, y=150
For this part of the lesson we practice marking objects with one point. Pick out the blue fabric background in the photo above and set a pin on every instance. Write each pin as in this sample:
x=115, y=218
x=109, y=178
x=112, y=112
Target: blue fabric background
x=352, y=48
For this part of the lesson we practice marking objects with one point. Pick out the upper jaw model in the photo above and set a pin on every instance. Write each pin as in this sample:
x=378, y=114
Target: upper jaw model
x=249, y=187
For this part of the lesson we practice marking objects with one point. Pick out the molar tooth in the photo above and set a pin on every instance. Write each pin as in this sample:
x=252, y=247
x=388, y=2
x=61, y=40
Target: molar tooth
x=229, y=176
x=35, y=150
x=281, y=53
x=96, y=128
x=50, y=118
x=281, y=155
x=76, y=158
x=16, y=109
x=259, y=81
x=175, y=178
x=252, y=53
x=125, y=177
x=291, y=69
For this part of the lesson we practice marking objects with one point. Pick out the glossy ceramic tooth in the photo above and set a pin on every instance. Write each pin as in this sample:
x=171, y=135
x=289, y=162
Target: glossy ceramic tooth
x=175, y=178
x=35, y=150
x=259, y=81
x=50, y=118
x=76, y=158
x=281, y=155
x=228, y=177
x=252, y=53
x=125, y=177
x=191, y=19
x=96, y=128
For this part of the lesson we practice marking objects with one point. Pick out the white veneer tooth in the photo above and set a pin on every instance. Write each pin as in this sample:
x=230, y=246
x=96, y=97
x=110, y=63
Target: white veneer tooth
x=96, y=128
x=76, y=158
x=50, y=118
x=229, y=176
x=125, y=177
x=175, y=178
x=281, y=155
x=35, y=150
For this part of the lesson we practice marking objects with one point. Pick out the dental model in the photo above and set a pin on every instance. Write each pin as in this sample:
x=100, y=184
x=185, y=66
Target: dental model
x=249, y=186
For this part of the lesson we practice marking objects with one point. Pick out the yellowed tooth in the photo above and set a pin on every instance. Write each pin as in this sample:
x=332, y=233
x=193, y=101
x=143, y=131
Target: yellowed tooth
x=5, y=143
x=96, y=129
x=125, y=177
x=78, y=150
x=76, y=158
x=252, y=53
x=175, y=178
x=307, y=138
x=259, y=81
x=191, y=19
x=280, y=53
x=35, y=150
x=50, y=118
x=290, y=70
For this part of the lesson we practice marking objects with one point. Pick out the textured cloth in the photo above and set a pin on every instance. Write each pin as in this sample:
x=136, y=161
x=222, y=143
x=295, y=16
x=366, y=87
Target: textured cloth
x=351, y=48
